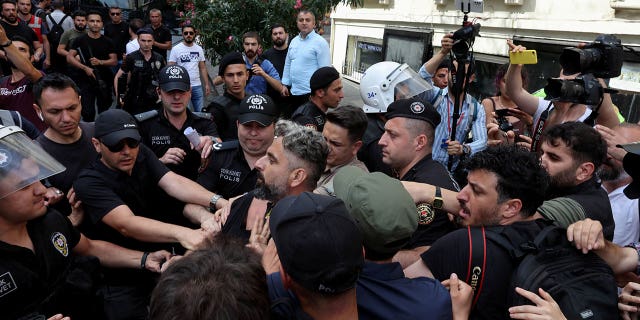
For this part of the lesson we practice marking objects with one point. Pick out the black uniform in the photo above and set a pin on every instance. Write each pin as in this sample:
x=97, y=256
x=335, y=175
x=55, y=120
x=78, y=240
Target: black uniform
x=432, y=172
x=141, y=94
x=228, y=173
x=224, y=110
x=371, y=153
x=28, y=277
x=309, y=115
x=119, y=34
x=593, y=199
x=160, y=135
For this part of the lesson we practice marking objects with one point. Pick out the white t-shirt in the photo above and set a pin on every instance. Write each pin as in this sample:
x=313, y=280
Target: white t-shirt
x=189, y=58
x=132, y=46
x=625, y=215
x=542, y=106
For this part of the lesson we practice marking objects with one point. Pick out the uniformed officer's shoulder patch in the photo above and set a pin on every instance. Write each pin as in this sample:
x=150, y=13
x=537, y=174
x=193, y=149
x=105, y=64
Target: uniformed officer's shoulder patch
x=426, y=213
x=141, y=117
x=203, y=115
x=226, y=145
x=59, y=242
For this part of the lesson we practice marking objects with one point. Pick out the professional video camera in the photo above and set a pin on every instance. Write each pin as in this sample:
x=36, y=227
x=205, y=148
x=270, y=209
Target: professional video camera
x=584, y=89
x=464, y=38
x=603, y=58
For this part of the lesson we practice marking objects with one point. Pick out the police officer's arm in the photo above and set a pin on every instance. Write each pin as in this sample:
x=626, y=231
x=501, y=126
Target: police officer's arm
x=149, y=230
x=587, y=235
x=425, y=193
x=115, y=256
x=431, y=66
x=187, y=190
x=115, y=82
x=21, y=62
x=513, y=78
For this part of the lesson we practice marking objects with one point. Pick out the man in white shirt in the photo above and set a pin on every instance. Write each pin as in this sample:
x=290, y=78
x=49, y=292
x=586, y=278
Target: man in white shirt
x=189, y=55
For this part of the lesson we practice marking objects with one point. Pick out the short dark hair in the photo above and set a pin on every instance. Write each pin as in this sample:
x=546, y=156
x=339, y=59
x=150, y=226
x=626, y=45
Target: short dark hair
x=305, y=11
x=519, y=174
x=79, y=13
x=446, y=63
x=585, y=143
x=351, y=118
x=94, y=12
x=56, y=81
x=188, y=25
x=251, y=34
x=307, y=146
x=136, y=24
x=13, y=2
x=417, y=127
x=25, y=41
x=278, y=25
x=224, y=281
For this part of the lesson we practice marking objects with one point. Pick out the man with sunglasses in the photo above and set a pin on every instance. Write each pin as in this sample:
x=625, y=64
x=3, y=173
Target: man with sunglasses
x=189, y=55
x=118, y=31
x=118, y=192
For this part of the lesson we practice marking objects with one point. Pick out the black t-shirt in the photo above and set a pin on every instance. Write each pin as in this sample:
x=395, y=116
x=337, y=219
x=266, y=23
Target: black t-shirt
x=450, y=254
x=100, y=48
x=432, y=172
x=74, y=156
x=228, y=173
x=309, y=115
x=594, y=200
x=225, y=114
x=162, y=34
x=141, y=93
x=119, y=35
x=277, y=58
x=28, y=277
x=102, y=189
x=160, y=135
x=236, y=224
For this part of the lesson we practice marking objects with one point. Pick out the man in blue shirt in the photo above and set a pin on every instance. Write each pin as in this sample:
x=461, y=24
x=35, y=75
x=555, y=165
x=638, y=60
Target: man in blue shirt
x=307, y=52
x=261, y=71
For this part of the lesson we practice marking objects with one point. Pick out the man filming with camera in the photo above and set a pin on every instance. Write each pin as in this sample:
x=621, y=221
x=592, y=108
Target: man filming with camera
x=576, y=95
x=449, y=148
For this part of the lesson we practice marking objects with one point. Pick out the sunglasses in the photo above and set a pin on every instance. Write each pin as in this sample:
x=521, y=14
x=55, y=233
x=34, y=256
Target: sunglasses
x=115, y=13
x=188, y=33
x=131, y=143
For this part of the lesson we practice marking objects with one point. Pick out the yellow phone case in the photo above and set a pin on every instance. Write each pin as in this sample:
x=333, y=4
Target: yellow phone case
x=524, y=57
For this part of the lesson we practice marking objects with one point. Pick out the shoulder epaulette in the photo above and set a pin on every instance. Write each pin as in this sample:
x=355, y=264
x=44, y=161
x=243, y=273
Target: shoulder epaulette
x=141, y=117
x=226, y=145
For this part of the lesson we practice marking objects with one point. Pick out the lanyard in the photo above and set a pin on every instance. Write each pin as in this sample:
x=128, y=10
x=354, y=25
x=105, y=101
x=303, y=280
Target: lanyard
x=450, y=116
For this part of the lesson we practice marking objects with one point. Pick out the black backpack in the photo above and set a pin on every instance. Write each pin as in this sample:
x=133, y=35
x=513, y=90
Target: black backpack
x=583, y=285
x=55, y=32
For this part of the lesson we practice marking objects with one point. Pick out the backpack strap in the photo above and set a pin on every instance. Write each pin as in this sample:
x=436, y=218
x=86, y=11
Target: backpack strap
x=477, y=261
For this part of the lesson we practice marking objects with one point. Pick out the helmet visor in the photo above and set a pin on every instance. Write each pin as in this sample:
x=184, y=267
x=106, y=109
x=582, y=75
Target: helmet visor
x=22, y=162
x=408, y=83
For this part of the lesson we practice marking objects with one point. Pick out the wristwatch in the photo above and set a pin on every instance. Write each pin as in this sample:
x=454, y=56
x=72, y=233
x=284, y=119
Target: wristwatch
x=213, y=201
x=438, y=203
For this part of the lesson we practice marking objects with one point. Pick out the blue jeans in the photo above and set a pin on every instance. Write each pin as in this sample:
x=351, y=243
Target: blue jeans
x=197, y=95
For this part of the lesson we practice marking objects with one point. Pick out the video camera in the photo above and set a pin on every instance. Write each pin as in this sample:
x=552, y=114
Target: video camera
x=584, y=89
x=603, y=58
x=464, y=38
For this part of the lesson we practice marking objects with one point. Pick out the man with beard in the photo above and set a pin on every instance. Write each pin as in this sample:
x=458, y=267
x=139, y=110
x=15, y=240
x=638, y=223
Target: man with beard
x=190, y=55
x=261, y=70
x=96, y=55
x=230, y=170
x=33, y=21
x=59, y=54
x=14, y=27
x=571, y=153
x=615, y=179
x=277, y=56
x=292, y=165
x=141, y=68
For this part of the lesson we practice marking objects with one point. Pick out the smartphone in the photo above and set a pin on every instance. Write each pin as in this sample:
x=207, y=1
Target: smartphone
x=524, y=57
x=502, y=112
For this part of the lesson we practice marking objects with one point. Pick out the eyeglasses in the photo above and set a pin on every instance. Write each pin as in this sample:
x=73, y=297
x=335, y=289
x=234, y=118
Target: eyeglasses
x=131, y=143
x=115, y=13
x=188, y=33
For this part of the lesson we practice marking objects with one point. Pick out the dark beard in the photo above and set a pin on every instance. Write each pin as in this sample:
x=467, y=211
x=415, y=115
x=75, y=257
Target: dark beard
x=188, y=41
x=264, y=192
x=80, y=29
x=609, y=173
x=279, y=42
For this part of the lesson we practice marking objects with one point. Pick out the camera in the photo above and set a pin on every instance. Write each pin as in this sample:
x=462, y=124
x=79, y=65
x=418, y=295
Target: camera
x=584, y=89
x=461, y=37
x=503, y=123
x=603, y=58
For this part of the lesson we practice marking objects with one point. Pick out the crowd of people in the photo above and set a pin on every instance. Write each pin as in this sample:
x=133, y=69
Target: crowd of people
x=125, y=196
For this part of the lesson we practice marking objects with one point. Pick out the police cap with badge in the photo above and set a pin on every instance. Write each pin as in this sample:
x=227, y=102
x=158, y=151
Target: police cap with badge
x=413, y=108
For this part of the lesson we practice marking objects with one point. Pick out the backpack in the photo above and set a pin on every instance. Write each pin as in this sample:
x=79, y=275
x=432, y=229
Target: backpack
x=55, y=32
x=583, y=285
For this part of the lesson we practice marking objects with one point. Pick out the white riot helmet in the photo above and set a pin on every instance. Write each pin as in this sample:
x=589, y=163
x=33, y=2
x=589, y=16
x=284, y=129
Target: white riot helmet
x=383, y=81
x=22, y=162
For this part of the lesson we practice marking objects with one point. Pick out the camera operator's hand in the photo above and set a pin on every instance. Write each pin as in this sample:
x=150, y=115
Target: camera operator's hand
x=446, y=43
x=454, y=148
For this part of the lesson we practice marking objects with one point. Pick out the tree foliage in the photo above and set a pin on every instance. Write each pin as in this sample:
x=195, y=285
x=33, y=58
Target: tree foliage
x=221, y=23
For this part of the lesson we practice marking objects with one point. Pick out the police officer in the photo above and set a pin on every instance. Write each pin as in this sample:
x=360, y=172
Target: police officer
x=231, y=171
x=163, y=130
x=326, y=92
